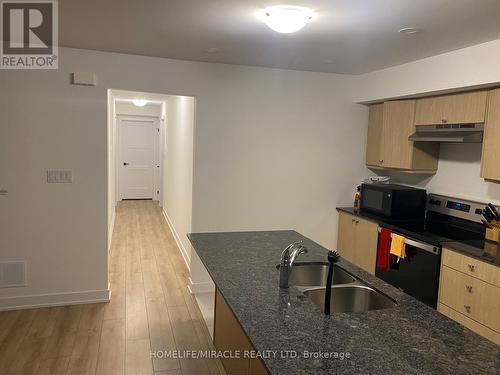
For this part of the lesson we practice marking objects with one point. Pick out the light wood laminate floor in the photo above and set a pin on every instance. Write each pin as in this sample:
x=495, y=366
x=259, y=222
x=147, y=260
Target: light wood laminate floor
x=150, y=309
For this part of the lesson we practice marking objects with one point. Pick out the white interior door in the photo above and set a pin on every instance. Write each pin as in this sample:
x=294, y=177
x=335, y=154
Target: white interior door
x=138, y=148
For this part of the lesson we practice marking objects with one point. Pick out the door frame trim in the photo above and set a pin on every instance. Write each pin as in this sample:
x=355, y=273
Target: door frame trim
x=157, y=172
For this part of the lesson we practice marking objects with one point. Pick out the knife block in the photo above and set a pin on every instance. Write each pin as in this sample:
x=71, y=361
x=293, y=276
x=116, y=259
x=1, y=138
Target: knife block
x=493, y=234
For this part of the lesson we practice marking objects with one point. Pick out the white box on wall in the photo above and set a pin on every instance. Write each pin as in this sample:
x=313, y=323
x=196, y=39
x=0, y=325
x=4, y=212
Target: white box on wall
x=83, y=79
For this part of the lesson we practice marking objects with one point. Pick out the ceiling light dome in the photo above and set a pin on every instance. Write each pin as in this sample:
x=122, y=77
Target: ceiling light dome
x=140, y=102
x=286, y=19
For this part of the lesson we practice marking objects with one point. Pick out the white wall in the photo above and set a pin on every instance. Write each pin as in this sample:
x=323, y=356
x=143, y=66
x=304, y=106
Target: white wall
x=58, y=229
x=178, y=169
x=459, y=165
x=467, y=67
x=273, y=149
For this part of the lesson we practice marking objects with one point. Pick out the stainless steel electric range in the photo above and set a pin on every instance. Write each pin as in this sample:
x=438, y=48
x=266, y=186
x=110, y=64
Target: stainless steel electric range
x=447, y=220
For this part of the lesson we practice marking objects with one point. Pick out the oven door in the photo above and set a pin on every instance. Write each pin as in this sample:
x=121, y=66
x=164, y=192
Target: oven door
x=417, y=274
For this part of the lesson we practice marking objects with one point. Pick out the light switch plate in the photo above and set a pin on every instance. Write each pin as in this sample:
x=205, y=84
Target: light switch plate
x=55, y=177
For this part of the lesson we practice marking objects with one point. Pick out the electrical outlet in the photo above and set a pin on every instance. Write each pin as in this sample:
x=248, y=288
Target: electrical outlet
x=54, y=177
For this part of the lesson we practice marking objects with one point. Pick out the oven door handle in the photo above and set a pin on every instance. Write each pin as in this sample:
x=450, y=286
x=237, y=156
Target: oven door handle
x=419, y=245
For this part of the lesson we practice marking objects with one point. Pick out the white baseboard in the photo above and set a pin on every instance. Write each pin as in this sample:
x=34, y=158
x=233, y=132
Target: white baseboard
x=204, y=287
x=54, y=299
x=177, y=239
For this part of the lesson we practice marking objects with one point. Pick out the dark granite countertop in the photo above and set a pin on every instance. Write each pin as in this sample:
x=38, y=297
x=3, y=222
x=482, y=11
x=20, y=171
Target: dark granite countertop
x=485, y=251
x=411, y=338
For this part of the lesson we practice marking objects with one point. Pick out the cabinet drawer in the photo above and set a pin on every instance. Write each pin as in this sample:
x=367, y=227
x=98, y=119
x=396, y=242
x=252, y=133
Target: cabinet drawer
x=463, y=108
x=469, y=323
x=471, y=297
x=470, y=266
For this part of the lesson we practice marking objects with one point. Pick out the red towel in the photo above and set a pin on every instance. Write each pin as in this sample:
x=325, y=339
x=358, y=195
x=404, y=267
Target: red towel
x=384, y=247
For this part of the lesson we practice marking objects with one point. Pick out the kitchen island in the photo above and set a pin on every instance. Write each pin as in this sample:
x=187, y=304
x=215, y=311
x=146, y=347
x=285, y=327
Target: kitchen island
x=410, y=338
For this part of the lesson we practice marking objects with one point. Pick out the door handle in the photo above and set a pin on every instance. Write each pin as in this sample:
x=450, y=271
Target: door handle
x=125, y=163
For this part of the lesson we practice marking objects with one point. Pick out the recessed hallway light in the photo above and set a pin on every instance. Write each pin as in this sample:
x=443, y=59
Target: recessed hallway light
x=286, y=19
x=409, y=30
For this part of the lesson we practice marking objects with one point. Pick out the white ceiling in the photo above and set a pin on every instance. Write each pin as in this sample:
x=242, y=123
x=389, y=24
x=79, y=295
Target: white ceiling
x=348, y=36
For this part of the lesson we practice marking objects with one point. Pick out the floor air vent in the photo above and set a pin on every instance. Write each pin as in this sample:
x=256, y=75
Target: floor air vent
x=12, y=274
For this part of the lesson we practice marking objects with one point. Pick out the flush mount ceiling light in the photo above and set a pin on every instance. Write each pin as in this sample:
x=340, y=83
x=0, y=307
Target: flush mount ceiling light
x=286, y=19
x=140, y=102
x=409, y=30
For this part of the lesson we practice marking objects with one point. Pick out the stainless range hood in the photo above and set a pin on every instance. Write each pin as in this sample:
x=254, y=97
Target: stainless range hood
x=449, y=133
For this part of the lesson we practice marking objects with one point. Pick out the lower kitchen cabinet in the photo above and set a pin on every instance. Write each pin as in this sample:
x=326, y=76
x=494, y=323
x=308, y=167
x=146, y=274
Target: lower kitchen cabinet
x=469, y=293
x=357, y=241
x=228, y=335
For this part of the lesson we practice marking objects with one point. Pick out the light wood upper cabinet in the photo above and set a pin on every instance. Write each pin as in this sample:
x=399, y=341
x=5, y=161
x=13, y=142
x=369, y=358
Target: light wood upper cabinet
x=374, y=144
x=390, y=125
x=357, y=241
x=461, y=108
x=490, y=161
x=397, y=150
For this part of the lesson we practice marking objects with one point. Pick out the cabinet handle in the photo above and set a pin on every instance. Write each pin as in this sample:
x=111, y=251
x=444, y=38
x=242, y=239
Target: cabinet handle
x=467, y=308
x=353, y=220
x=444, y=121
x=469, y=288
x=357, y=221
x=381, y=161
x=471, y=267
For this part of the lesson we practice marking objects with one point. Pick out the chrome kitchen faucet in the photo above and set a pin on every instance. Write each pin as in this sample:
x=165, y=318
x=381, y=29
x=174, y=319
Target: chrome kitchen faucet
x=288, y=257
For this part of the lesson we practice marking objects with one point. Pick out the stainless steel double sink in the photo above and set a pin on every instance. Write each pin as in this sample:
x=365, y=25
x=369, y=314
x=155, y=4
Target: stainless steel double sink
x=348, y=293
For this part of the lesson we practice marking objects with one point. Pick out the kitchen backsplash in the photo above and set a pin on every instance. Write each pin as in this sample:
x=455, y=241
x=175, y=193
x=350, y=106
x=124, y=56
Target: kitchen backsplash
x=458, y=175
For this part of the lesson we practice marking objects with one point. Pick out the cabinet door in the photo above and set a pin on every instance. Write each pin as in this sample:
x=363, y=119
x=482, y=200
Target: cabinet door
x=345, y=238
x=374, y=139
x=366, y=245
x=228, y=335
x=490, y=162
x=397, y=150
x=457, y=109
x=257, y=367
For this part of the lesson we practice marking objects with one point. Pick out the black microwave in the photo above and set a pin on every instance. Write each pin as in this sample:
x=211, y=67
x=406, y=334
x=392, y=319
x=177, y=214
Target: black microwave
x=395, y=202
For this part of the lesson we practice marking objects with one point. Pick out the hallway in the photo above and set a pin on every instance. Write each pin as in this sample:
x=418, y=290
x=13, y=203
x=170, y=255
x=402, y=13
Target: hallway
x=150, y=309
